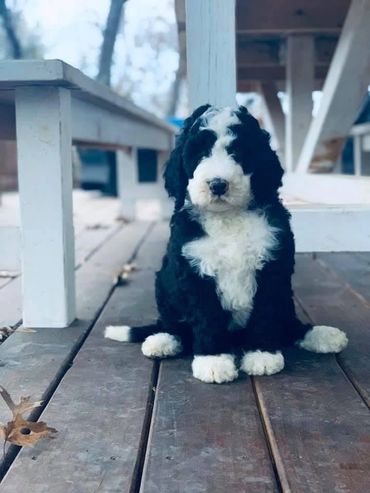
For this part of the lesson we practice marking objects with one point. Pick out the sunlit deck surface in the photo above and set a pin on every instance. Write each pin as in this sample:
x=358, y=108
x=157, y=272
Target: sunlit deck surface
x=128, y=424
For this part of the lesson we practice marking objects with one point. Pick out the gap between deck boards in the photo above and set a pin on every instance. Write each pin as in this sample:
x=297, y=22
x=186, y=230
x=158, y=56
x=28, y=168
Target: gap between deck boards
x=338, y=278
x=263, y=396
x=48, y=393
x=88, y=242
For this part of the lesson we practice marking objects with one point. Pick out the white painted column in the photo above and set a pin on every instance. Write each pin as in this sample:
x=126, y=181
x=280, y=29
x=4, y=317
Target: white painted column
x=344, y=89
x=127, y=181
x=148, y=201
x=210, y=44
x=44, y=146
x=274, y=113
x=357, y=154
x=299, y=87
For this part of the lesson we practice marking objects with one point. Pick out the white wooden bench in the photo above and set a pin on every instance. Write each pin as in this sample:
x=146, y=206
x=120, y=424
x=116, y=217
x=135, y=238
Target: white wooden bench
x=45, y=106
x=361, y=144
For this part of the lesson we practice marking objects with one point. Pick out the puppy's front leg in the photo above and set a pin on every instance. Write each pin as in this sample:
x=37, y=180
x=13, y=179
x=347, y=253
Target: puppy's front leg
x=213, y=360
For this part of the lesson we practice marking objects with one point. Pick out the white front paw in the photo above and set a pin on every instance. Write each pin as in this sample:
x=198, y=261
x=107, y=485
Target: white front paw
x=215, y=369
x=262, y=362
x=161, y=345
x=324, y=339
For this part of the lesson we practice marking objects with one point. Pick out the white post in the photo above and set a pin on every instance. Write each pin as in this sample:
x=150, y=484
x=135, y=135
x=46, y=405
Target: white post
x=210, y=42
x=344, y=89
x=43, y=122
x=357, y=154
x=147, y=201
x=274, y=113
x=127, y=181
x=299, y=87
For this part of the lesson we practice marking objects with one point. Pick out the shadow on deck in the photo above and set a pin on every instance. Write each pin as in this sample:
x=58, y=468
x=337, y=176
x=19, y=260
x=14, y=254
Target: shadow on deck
x=128, y=424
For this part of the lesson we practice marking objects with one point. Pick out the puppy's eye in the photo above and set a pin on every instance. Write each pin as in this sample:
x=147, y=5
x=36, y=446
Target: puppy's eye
x=199, y=146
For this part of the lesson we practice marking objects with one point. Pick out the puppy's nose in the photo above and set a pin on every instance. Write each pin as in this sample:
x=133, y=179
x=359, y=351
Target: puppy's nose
x=218, y=186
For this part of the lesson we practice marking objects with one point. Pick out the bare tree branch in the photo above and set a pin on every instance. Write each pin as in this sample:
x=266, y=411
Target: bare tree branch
x=11, y=34
x=109, y=38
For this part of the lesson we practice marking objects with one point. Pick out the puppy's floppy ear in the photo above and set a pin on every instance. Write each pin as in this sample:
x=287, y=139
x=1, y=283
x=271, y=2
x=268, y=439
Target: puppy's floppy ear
x=175, y=178
x=266, y=178
x=267, y=170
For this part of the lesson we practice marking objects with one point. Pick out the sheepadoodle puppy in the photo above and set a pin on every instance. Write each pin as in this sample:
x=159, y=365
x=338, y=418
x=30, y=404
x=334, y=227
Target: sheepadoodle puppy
x=224, y=290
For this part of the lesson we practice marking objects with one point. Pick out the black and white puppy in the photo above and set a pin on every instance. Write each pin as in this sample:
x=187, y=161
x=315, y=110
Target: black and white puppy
x=224, y=289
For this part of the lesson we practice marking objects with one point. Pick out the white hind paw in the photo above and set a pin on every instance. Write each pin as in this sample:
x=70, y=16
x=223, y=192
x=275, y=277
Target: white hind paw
x=324, y=339
x=161, y=345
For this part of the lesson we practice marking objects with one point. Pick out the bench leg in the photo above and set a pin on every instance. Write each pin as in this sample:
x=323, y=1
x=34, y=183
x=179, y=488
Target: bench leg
x=127, y=180
x=43, y=121
x=131, y=191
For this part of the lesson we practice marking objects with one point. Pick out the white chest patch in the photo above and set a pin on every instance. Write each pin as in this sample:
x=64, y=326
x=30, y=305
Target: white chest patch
x=236, y=245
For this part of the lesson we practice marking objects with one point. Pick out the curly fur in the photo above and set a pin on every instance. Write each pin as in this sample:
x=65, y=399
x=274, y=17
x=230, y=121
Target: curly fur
x=224, y=288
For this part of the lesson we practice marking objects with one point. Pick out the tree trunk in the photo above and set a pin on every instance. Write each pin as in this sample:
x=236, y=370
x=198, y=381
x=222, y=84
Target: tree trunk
x=175, y=94
x=10, y=31
x=109, y=39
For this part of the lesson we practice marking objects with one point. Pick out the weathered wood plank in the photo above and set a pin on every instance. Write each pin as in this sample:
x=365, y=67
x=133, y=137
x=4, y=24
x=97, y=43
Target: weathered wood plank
x=33, y=363
x=205, y=437
x=101, y=405
x=88, y=241
x=319, y=425
x=329, y=301
x=353, y=268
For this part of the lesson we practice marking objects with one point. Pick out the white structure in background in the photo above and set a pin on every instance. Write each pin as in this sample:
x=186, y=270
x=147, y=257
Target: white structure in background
x=328, y=214
x=47, y=105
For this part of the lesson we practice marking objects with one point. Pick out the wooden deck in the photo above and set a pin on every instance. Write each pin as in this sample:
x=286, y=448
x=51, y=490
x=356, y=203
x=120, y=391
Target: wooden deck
x=127, y=424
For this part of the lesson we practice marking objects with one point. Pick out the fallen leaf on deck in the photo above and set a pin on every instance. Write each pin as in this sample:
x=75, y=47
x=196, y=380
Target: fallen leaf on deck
x=5, y=333
x=21, y=431
x=124, y=276
x=122, y=219
x=26, y=330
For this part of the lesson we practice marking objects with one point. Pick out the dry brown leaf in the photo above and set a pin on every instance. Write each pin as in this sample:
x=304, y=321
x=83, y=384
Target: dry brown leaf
x=5, y=333
x=27, y=433
x=26, y=330
x=21, y=431
x=122, y=219
x=124, y=276
x=130, y=267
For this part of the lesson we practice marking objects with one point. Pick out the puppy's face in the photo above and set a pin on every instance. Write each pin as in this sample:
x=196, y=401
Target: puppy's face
x=217, y=180
x=224, y=161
